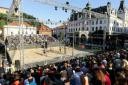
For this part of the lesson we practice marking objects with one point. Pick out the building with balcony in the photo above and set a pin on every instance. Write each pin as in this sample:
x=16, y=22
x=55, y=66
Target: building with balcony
x=59, y=32
x=93, y=28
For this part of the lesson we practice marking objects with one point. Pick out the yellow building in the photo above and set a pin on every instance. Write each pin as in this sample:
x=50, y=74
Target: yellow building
x=4, y=10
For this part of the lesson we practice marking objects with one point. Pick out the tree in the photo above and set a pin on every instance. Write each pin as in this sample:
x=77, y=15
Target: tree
x=3, y=16
x=2, y=23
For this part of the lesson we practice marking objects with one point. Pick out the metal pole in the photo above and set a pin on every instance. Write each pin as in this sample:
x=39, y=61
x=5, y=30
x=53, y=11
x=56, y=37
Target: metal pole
x=20, y=33
x=65, y=40
x=117, y=43
x=60, y=43
x=104, y=34
x=73, y=35
x=73, y=45
x=104, y=39
x=22, y=38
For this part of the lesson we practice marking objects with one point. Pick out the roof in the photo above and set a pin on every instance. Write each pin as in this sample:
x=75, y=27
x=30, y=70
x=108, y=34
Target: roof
x=101, y=9
x=4, y=8
x=15, y=23
x=73, y=16
x=61, y=27
x=121, y=7
x=44, y=28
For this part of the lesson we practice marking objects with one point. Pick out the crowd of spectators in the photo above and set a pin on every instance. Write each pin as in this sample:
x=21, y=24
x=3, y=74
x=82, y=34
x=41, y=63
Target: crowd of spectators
x=14, y=41
x=105, y=68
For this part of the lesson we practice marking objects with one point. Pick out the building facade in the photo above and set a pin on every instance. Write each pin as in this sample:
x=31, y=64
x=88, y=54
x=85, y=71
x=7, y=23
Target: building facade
x=60, y=32
x=4, y=10
x=88, y=28
x=14, y=28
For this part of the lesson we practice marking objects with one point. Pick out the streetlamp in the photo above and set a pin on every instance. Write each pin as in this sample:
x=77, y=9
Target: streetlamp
x=65, y=27
x=73, y=35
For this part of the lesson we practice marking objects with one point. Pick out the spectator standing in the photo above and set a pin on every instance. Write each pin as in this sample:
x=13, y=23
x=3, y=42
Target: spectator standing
x=76, y=79
x=30, y=80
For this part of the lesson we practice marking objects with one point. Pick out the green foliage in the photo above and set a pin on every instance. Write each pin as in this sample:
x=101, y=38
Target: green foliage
x=33, y=22
x=3, y=20
x=2, y=23
x=28, y=16
x=3, y=16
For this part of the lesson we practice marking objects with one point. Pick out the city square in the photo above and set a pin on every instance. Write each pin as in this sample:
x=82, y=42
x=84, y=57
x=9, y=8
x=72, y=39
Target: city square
x=63, y=42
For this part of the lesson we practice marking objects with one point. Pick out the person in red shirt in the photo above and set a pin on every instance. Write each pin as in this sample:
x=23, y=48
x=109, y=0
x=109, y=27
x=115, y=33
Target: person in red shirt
x=40, y=71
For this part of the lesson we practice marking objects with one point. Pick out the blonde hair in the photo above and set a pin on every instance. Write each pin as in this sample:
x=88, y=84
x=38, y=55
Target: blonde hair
x=100, y=76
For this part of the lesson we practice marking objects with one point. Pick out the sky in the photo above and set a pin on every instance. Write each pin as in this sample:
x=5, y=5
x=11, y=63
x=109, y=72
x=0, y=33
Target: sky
x=45, y=12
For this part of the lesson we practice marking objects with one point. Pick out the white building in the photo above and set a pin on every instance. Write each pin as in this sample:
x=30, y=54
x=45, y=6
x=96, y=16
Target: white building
x=59, y=31
x=14, y=29
x=113, y=22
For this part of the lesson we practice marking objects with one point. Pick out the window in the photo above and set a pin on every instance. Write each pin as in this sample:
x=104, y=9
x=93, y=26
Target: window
x=87, y=23
x=125, y=30
x=96, y=28
x=117, y=24
x=114, y=22
x=76, y=24
x=92, y=28
x=79, y=29
x=105, y=28
x=69, y=30
x=104, y=21
x=76, y=29
x=112, y=28
x=83, y=29
x=100, y=28
x=100, y=21
x=97, y=21
x=118, y=30
x=92, y=22
x=121, y=30
x=87, y=28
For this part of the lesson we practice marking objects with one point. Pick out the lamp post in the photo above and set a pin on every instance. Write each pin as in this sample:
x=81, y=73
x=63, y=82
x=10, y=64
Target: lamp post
x=73, y=44
x=65, y=27
x=73, y=35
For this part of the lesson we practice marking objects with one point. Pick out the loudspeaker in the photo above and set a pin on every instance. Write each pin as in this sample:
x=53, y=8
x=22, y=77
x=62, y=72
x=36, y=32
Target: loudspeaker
x=17, y=64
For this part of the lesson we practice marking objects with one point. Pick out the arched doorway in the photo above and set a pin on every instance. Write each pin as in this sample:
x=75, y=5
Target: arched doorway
x=83, y=39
